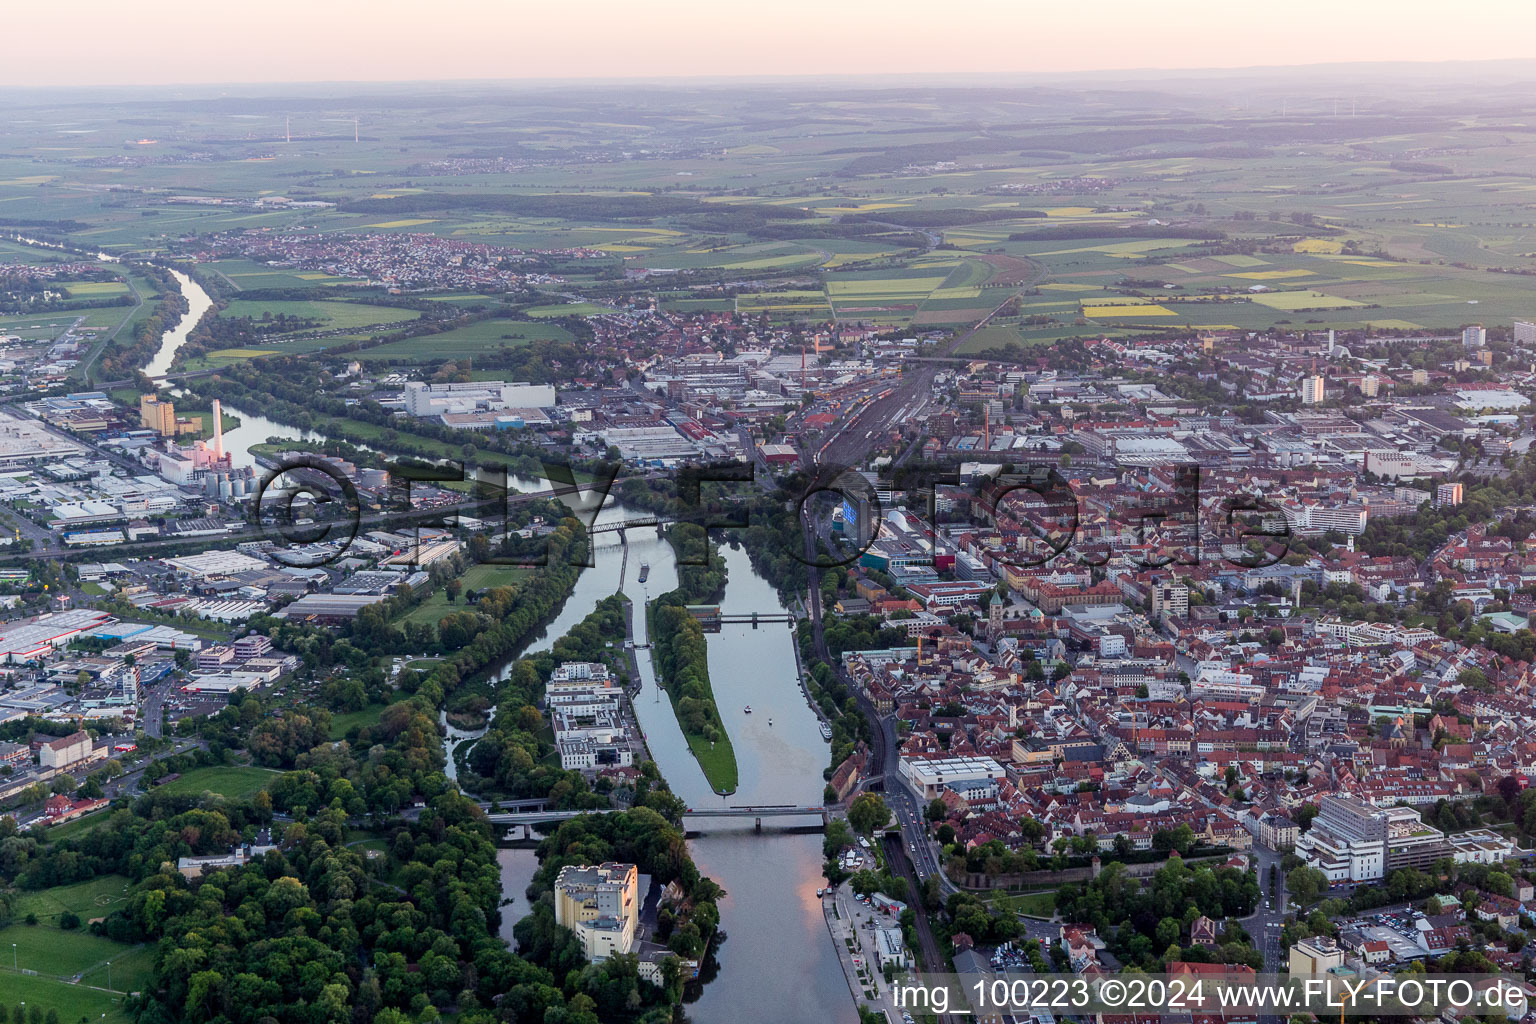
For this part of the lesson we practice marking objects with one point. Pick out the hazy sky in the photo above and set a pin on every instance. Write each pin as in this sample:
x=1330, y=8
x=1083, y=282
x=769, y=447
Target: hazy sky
x=96, y=42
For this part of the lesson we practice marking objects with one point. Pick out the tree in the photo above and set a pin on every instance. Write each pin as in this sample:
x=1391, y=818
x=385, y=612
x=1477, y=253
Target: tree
x=867, y=813
x=453, y=588
x=1473, y=679
x=1305, y=884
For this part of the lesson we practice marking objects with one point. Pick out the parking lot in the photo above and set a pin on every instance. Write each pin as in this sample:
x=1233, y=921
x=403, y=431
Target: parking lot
x=1396, y=926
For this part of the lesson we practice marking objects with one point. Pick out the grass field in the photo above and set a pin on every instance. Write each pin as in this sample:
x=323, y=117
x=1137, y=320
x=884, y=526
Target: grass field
x=471, y=340
x=332, y=314
x=344, y=723
x=718, y=762
x=1033, y=904
x=73, y=1002
x=78, y=825
x=479, y=577
x=569, y=309
x=95, y=897
x=65, y=954
x=232, y=781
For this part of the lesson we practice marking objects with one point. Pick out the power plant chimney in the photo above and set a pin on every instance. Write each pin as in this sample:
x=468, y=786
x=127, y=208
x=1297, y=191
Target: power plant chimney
x=218, y=430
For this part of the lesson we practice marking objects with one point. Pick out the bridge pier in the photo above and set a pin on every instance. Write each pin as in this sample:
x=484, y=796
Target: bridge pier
x=759, y=826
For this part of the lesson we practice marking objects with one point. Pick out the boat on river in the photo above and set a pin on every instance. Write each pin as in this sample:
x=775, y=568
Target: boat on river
x=645, y=571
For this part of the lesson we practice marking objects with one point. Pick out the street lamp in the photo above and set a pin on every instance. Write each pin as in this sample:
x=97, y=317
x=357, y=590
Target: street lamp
x=109, y=976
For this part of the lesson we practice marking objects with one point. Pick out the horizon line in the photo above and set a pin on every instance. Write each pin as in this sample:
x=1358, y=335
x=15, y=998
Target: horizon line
x=776, y=78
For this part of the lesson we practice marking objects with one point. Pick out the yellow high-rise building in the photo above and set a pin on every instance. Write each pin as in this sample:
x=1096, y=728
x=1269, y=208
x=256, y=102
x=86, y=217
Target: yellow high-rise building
x=157, y=415
x=601, y=905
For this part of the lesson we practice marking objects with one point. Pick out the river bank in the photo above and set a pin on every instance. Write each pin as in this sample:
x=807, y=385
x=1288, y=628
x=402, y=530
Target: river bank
x=778, y=961
x=198, y=304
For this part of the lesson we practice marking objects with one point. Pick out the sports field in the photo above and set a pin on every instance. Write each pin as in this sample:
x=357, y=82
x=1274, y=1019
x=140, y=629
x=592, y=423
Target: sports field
x=232, y=781
x=76, y=956
x=95, y=897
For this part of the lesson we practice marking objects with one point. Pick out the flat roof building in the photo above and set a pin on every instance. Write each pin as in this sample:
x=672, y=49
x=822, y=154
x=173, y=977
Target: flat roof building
x=601, y=905
x=929, y=777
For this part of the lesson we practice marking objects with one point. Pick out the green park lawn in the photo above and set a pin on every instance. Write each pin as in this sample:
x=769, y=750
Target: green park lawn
x=717, y=761
x=233, y=782
x=479, y=577
x=344, y=723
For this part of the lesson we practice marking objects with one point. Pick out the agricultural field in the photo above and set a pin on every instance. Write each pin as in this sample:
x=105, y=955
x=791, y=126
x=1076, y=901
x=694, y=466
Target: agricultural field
x=470, y=340
x=232, y=781
x=895, y=213
x=245, y=275
x=785, y=305
x=568, y=309
x=333, y=315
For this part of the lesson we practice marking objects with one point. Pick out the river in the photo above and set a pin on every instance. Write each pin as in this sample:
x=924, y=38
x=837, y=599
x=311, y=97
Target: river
x=778, y=962
x=198, y=303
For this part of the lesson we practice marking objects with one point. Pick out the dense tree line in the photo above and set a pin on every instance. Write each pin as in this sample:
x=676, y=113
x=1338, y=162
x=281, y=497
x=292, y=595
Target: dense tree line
x=682, y=661
x=118, y=361
x=291, y=392
x=655, y=846
x=315, y=932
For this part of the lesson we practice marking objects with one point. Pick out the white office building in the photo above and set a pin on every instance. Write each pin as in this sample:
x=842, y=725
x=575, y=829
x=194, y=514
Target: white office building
x=929, y=777
x=1352, y=841
x=423, y=399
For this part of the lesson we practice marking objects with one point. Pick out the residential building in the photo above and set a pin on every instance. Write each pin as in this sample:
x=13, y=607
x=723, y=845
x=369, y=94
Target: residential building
x=1313, y=390
x=1316, y=955
x=1170, y=600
